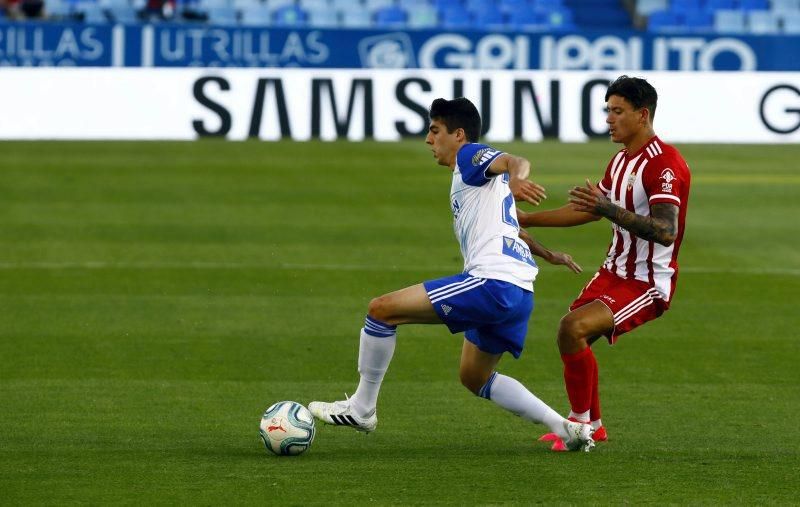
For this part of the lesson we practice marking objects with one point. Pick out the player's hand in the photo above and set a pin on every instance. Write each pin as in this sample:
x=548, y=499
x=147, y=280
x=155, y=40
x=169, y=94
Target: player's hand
x=528, y=191
x=563, y=259
x=589, y=199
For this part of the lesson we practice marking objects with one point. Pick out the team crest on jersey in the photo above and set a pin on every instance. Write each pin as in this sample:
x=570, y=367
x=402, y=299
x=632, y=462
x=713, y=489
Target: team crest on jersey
x=668, y=176
x=631, y=180
x=482, y=156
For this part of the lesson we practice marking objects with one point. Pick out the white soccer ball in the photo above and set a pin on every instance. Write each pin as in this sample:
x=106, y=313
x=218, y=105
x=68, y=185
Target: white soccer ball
x=287, y=428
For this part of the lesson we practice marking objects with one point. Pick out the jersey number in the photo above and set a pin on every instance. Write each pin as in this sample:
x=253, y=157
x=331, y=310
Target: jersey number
x=508, y=218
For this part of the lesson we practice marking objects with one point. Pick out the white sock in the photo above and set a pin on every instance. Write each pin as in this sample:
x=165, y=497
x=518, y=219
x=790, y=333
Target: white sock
x=514, y=397
x=374, y=355
x=582, y=417
x=597, y=424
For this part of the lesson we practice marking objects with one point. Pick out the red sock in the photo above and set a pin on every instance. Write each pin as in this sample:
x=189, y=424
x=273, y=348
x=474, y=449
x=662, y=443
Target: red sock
x=594, y=415
x=579, y=371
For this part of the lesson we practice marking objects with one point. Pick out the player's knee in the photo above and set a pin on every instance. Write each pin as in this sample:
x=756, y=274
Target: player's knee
x=472, y=380
x=380, y=309
x=471, y=384
x=571, y=329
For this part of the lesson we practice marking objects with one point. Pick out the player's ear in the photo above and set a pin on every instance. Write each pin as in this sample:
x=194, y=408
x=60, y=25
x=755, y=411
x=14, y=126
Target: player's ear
x=644, y=115
x=460, y=134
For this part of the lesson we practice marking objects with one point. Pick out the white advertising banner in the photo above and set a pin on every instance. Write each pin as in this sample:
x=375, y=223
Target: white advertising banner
x=386, y=105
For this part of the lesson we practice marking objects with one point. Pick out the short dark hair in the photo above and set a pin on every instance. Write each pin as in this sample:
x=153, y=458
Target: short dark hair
x=635, y=90
x=458, y=113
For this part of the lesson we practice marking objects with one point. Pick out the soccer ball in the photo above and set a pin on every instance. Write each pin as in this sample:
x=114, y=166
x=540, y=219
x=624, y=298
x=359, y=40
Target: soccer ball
x=287, y=428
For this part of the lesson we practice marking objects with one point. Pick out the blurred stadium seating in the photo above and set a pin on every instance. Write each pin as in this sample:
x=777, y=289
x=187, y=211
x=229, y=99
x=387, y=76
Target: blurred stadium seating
x=502, y=15
x=758, y=17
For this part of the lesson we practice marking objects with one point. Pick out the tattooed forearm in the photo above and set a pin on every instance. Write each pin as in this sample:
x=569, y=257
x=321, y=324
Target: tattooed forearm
x=661, y=226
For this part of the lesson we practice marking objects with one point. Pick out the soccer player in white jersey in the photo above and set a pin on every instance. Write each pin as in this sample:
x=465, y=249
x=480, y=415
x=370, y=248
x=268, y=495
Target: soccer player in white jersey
x=491, y=301
x=644, y=193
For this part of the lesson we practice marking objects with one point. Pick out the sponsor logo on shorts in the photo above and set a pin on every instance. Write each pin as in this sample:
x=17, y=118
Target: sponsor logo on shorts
x=608, y=298
x=447, y=309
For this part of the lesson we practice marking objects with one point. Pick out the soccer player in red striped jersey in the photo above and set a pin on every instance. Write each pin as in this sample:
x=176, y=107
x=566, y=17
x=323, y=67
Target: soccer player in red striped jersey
x=644, y=193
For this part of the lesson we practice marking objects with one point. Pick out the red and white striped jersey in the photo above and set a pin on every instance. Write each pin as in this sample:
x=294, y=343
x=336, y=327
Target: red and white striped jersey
x=655, y=174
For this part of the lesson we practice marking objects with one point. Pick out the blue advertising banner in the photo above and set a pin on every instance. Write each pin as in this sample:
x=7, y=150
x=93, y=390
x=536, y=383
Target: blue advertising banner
x=200, y=45
x=31, y=44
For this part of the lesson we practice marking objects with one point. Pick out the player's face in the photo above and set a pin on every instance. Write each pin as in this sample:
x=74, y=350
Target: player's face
x=624, y=122
x=444, y=145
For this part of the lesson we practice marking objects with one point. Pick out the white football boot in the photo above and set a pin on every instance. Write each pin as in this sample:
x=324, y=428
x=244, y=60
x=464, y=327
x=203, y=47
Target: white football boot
x=580, y=436
x=339, y=413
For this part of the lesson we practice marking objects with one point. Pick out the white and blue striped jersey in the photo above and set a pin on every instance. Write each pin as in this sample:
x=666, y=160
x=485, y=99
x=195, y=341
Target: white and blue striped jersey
x=485, y=220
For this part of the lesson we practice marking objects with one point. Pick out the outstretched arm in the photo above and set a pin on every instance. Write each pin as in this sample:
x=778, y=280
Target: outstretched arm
x=565, y=216
x=661, y=226
x=518, y=170
x=551, y=256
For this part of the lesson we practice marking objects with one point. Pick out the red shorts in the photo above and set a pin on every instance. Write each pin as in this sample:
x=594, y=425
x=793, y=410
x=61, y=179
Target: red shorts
x=632, y=302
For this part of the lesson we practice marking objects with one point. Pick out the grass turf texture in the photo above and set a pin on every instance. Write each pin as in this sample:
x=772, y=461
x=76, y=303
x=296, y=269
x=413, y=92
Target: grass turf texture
x=157, y=297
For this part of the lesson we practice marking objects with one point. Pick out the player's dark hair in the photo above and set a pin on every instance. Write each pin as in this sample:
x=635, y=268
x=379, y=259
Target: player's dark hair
x=458, y=113
x=635, y=90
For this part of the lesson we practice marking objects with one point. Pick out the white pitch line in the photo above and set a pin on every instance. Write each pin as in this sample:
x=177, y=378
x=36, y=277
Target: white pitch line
x=328, y=267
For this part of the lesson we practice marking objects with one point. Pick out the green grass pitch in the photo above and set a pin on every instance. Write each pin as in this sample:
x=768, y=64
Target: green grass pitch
x=155, y=298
